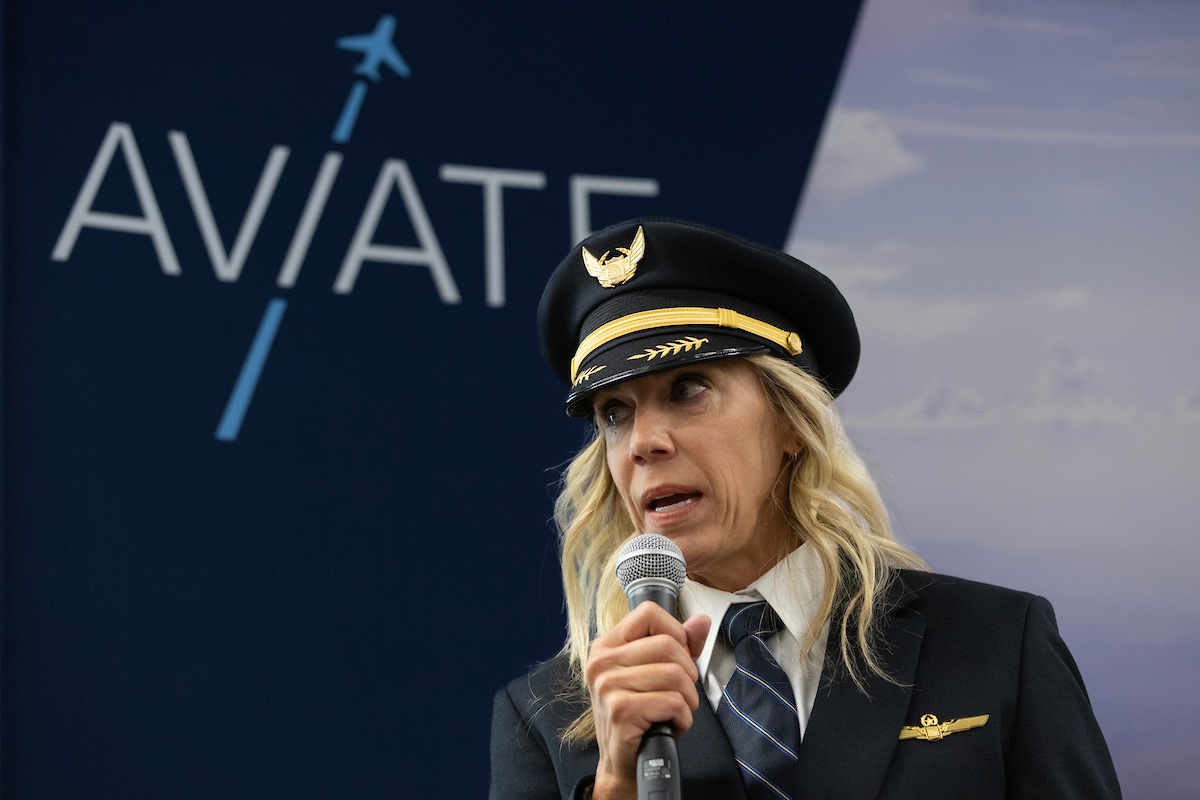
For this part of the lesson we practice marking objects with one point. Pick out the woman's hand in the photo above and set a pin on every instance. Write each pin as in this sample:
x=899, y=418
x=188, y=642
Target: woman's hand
x=641, y=672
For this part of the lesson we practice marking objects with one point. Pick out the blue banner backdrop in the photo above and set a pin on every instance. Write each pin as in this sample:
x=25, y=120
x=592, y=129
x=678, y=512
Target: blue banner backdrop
x=278, y=442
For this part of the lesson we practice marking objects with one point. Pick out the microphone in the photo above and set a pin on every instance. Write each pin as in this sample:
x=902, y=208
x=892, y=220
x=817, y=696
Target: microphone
x=650, y=568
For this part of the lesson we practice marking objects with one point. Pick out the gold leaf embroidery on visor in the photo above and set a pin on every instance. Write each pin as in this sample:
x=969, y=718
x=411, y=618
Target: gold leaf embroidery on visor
x=670, y=348
x=685, y=315
x=587, y=373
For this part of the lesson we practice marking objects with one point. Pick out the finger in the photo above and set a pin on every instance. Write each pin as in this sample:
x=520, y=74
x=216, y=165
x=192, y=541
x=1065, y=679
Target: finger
x=697, y=629
x=653, y=651
x=649, y=619
x=634, y=712
x=648, y=678
x=658, y=649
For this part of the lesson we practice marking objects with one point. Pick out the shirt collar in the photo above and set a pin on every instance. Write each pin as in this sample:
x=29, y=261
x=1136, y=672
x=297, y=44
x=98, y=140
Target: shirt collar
x=793, y=587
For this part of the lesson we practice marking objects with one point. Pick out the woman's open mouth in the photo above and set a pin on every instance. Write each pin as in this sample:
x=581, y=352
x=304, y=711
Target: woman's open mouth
x=673, y=501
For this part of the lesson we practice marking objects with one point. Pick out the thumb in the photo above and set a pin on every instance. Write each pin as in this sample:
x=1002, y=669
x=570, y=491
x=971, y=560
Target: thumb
x=697, y=632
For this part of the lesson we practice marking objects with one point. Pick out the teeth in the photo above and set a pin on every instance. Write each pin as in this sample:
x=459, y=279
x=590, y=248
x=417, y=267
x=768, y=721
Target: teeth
x=680, y=504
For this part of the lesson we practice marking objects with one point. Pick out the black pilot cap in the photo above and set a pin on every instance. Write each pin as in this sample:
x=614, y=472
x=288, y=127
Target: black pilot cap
x=651, y=295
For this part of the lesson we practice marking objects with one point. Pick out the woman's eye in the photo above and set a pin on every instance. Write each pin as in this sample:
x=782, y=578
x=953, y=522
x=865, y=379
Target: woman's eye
x=687, y=388
x=614, y=413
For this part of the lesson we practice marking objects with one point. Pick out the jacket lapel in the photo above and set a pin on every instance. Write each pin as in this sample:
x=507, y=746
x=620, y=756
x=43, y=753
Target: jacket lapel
x=708, y=766
x=851, y=736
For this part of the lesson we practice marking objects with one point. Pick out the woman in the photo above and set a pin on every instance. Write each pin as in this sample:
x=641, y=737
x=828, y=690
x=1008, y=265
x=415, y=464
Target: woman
x=837, y=668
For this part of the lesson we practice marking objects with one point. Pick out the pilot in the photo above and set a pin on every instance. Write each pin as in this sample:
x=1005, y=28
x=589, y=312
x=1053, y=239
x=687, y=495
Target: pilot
x=814, y=655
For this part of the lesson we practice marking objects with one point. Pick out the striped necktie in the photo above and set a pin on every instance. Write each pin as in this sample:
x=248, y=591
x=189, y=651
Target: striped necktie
x=757, y=709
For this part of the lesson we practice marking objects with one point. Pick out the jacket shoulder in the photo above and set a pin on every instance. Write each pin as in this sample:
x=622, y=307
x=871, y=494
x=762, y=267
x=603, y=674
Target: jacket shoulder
x=544, y=690
x=529, y=758
x=934, y=592
x=937, y=583
x=992, y=622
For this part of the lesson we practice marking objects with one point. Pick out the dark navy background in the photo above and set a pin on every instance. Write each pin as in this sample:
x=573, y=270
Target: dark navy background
x=325, y=606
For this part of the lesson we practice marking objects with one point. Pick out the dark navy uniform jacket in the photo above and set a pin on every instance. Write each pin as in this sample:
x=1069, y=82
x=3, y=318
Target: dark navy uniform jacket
x=956, y=648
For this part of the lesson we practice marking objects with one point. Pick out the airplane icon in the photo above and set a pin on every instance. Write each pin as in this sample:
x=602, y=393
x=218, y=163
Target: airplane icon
x=376, y=48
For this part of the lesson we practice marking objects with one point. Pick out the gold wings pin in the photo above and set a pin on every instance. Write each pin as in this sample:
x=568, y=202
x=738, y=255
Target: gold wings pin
x=615, y=271
x=931, y=730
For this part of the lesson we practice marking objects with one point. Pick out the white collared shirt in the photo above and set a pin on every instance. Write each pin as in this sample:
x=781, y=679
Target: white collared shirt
x=793, y=587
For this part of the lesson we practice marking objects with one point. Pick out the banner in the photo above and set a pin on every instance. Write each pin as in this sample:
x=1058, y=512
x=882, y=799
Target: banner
x=279, y=447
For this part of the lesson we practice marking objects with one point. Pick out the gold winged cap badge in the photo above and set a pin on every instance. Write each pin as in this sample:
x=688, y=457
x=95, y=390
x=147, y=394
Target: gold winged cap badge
x=614, y=271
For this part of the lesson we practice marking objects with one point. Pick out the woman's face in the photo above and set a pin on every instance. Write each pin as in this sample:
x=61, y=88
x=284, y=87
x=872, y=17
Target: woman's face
x=695, y=453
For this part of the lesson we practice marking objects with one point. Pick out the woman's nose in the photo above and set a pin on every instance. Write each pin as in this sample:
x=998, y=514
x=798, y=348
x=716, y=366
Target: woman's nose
x=650, y=437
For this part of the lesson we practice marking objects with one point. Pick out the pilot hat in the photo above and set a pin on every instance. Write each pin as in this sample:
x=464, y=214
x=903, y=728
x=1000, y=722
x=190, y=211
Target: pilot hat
x=651, y=295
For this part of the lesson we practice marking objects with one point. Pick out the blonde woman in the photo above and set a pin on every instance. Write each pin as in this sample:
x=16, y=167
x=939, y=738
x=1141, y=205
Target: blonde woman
x=814, y=657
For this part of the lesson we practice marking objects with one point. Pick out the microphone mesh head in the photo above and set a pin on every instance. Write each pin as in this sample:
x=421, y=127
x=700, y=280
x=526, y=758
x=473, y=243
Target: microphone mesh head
x=651, y=556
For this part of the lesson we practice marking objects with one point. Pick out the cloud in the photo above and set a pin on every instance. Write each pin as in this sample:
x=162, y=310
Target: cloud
x=865, y=274
x=888, y=28
x=944, y=407
x=1158, y=71
x=1084, y=195
x=1071, y=297
x=859, y=150
x=918, y=126
x=1036, y=26
x=939, y=407
x=1068, y=390
x=1185, y=406
x=1159, y=58
x=848, y=265
x=913, y=322
x=1067, y=375
x=946, y=80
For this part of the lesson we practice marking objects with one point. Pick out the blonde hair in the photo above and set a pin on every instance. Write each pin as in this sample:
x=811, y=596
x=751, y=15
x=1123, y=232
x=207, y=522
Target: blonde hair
x=829, y=501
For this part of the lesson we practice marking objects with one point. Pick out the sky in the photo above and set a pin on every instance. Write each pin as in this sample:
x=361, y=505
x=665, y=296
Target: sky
x=1008, y=194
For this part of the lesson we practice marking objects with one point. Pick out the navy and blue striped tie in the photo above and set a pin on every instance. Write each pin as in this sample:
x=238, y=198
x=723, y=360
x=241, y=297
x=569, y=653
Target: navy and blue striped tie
x=757, y=708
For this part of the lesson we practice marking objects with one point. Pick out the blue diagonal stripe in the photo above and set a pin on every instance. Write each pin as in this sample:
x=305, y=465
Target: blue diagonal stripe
x=760, y=776
x=745, y=607
x=243, y=390
x=763, y=644
x=757, y=727
x=766, y=686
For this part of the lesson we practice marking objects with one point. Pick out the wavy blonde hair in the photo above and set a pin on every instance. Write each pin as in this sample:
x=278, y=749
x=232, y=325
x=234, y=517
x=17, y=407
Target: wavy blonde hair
x=829, y=501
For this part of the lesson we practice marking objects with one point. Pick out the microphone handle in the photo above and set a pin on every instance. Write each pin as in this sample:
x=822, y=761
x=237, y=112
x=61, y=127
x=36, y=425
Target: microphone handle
x=657, y=757
x=655, y=593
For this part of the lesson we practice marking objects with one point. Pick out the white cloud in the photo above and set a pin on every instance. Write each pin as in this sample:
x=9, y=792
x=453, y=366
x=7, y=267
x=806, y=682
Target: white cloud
x=1036, y=26
x=1070, y=297
x=858, y=151
x=1158, y=71
x=939, y=407
x=1067, y=375
x=850, y=265
x=918, y=126
x=1185, y=406
x=946, y=80
x=944, y=407
x=1171, y=59
x=1084, y=195
x=913, y=322
x=887, y=28
x=1068, y=390
x=866, y=273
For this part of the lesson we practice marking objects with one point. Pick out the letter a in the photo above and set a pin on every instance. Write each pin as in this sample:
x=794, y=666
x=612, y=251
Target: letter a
x=395, y=173
x=149, y=224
